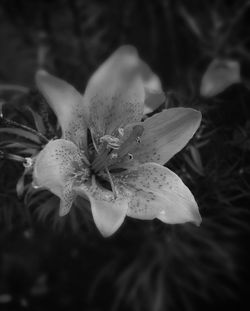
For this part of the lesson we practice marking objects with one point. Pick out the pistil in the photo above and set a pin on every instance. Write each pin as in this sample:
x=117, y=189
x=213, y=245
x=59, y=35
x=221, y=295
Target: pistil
x=108, y=143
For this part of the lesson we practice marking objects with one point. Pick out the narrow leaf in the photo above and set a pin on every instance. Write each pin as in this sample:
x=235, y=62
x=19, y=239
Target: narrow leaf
x=21, y=133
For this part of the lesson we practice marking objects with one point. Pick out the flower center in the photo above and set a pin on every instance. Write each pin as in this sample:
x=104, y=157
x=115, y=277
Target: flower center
x=113, y=149
x=110, y=141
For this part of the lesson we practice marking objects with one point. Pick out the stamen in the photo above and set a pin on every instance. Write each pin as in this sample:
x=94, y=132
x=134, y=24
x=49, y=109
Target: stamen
x=111, y=141
x=84, y=158
x=93, y=141
x=100, y=161
x=121, y=131
x=80, y=175
x=104, y=154
x=106, y=157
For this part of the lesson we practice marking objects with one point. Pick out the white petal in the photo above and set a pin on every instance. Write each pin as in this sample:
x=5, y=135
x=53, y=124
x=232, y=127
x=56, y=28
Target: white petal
x=115, y=93
x=220, y=74
x=67, y=104
x=108, y=215
x=108, y=212
x=67, y=199
x=157, y=192
x=165, y=134
x=153, y=88
x=54, y=168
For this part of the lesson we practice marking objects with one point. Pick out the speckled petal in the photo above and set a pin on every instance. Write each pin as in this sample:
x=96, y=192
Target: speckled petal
x=108, y=212
x=159, y=193
x=67, y=104
x=54, y=168
x=164, y=134
x=67, y=199
x=115, y=93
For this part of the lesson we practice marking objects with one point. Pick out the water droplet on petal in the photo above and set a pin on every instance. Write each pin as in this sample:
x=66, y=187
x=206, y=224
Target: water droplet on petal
x=28, y=162
x=34, y=185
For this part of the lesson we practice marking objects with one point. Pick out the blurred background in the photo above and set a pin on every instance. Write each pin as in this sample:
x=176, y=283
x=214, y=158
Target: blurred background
x=201, y=52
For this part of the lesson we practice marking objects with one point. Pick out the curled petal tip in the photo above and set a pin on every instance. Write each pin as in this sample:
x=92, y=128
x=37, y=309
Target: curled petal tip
x=196, y=113
x=196, y=117
x=41, y=73
x=65, y=206
x=194, y=215
x=127, y=49
x=197, y=218
x=63, y=213
x=105, y=234
x=40, y=78
x=199, y=115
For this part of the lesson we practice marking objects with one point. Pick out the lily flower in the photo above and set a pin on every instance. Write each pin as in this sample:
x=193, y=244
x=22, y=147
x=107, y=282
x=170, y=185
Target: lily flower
x=108, y=155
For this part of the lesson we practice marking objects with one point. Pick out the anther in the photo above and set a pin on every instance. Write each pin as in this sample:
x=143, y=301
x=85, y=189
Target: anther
x=131, y=157
x=111, y=141
x=121, y=131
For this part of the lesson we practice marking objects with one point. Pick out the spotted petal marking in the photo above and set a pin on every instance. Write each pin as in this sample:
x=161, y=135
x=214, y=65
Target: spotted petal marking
x=54, y=170
x=115, y=94
x=157, y=192
x=67, y=199
x=164, y=135
x=68, y=106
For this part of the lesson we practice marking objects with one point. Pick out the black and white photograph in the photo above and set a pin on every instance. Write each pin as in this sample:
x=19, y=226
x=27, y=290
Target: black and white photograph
x=124, y=155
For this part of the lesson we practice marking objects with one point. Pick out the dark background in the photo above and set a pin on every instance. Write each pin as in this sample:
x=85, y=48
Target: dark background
x=47, y=263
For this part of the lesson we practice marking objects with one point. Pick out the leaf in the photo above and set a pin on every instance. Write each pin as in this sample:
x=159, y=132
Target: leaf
x=30, y=151
x=20, y=185
x=193, y=165
x=48, y=207
x=196, y=158
x=17, y=145
x=38, y=121
x=191, y=22
x=21, y=133
x=13, y=88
